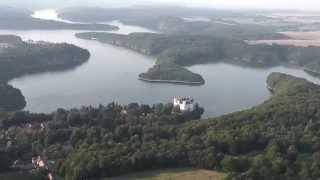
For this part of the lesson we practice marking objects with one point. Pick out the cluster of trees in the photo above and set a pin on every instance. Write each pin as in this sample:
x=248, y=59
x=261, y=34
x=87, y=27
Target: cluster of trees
x=278, y=139
x=93, y=139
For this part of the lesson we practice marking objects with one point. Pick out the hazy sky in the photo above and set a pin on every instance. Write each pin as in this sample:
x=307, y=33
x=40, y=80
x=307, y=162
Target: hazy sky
x=261, y=4
x=282, y=4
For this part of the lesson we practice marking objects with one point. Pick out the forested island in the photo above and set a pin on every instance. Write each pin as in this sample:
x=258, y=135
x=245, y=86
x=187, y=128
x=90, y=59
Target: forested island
x=186, y=50
x=171, y=73
x=278, y=139
x=18, y=58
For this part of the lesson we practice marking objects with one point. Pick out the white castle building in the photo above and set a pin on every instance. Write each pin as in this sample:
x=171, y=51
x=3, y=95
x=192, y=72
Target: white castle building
x=184, y=103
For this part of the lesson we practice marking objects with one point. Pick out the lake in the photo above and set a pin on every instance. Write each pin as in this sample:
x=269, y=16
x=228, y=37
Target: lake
x=111, y=74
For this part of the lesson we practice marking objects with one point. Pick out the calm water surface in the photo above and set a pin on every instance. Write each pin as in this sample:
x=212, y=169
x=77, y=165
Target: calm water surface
x=111, y=75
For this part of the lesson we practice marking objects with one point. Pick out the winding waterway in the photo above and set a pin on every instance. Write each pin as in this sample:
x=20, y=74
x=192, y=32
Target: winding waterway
x=111, y=74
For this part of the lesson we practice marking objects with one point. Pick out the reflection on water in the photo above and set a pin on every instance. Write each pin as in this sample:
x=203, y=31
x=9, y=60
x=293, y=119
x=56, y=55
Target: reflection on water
x=111, y=75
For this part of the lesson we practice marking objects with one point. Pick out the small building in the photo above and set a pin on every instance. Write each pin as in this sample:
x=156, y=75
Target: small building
x=39, y=163
x=124, y=112
x=50, y=177
x=184, y=103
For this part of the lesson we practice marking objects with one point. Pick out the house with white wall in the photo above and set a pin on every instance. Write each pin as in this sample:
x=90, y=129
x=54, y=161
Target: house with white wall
x=184, y=103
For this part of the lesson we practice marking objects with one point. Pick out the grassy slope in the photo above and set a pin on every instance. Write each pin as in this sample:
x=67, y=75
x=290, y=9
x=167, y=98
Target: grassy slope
x=173, y=174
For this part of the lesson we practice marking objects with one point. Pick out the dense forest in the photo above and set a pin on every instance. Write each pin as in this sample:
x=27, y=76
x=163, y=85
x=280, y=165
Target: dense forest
x=19, y=58
x=185, y=50
x=96, y=135
x=278, y=139
x=170, y=20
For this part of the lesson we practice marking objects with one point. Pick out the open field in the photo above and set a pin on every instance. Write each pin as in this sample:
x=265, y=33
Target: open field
x=303, y=39
x=173, y=174
x=313, y=35
x=301, y=43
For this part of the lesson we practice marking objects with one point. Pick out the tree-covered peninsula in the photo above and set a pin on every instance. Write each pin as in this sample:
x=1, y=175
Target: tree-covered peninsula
x=14, y=18
x=185, y=50
x=278, y=139
x=10, y=98
x=18, y=58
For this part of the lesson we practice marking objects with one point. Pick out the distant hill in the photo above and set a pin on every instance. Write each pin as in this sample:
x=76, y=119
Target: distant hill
x=13, y=18
x=170, y=20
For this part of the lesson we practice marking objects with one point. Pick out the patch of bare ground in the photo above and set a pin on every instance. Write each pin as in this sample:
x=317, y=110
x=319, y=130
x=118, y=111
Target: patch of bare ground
x=302, y=39
x=313, y=35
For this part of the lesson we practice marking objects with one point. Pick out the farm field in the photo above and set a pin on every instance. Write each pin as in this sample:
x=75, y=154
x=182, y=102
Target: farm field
x=303, y=39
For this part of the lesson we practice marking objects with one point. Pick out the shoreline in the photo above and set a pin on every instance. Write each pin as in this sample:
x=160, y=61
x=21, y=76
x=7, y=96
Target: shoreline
x=312, y=72
x=172, y=81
